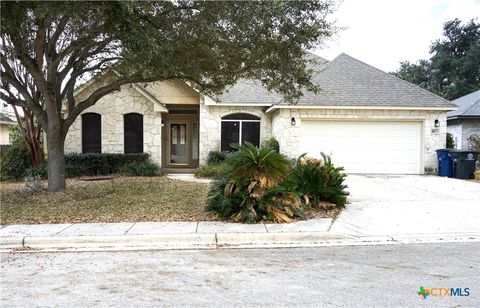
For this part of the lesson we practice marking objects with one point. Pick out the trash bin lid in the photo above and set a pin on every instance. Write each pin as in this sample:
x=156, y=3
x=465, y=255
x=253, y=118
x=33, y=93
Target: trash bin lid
x=464, y=154
x=463, y=151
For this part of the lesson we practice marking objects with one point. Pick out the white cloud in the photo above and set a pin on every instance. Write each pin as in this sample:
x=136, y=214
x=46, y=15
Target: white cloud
x=384, y=32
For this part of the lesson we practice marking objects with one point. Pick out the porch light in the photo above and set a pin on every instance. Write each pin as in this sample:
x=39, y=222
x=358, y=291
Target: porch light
x=163, y=124
x=294, y=122
x=437, y=123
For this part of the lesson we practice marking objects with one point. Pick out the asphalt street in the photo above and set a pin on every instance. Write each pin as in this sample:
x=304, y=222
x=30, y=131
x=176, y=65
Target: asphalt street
x=346, y=276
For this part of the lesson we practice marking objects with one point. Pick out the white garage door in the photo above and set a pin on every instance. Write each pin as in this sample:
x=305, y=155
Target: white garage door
x=365, y=147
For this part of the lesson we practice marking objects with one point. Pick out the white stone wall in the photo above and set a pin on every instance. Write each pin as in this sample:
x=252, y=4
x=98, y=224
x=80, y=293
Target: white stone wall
x=289, y=136
x=463, y=129
x=4, y=134
x=210, y=126
x=112, y=107
x=469, y=127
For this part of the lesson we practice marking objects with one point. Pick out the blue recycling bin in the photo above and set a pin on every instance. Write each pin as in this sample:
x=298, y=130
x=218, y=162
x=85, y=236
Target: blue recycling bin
x=445, y=164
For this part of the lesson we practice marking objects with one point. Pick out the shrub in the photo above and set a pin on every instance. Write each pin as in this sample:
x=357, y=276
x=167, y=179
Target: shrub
x=315, y=181
x=210, y=171
x=474, y=141
x=15, y=162
x=272, y=144
x=450, y=142
x=89, y=164
x=34, y=183
x=216, y=157
x=249, y=190
x=144, y=168
x=40, y=171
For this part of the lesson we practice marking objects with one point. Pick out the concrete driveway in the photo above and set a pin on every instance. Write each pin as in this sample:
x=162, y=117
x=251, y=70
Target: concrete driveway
x=409, y=204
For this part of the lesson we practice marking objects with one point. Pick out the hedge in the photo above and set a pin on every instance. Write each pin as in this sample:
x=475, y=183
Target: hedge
x=100, y=163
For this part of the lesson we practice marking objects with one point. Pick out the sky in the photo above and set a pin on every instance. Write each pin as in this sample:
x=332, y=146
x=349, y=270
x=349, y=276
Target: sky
x=384, y=32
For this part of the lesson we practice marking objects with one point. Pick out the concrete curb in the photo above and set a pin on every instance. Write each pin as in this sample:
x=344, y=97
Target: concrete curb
x=7, y=243
x=216, y=241
x=276, y=240
x=123, y=242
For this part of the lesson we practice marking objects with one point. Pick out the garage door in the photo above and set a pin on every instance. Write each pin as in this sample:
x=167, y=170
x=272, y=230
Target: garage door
x=365, y=147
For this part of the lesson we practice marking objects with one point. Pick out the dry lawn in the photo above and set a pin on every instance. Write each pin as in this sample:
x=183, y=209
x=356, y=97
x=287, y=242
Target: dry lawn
x=123, y=199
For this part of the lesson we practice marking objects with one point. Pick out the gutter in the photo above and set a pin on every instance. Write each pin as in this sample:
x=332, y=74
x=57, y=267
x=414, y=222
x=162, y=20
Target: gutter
x=8, y=123
x=462, y=117
x=274, y=107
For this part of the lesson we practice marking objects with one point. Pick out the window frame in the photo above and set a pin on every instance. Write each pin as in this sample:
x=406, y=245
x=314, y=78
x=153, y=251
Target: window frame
x=240, y=136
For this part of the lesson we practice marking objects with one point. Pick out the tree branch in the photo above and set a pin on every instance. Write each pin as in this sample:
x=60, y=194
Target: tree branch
x=51, y=49
x=39, y=43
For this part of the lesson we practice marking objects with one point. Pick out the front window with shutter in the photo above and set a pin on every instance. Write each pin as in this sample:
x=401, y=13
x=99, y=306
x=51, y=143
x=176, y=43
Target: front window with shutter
x=133, y=132
x=91, y=133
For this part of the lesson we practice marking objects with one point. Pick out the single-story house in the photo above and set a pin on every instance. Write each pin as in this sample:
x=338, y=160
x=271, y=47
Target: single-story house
x=5, y=123
x=369, y=121
x=465, y=121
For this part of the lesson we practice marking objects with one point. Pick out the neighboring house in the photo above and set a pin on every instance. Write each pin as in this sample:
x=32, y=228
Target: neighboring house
x=465, y=121
x=5, y=123
x=368, y=120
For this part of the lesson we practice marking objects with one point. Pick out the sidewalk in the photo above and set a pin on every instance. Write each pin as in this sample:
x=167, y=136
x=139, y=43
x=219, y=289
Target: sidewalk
x=199, y=235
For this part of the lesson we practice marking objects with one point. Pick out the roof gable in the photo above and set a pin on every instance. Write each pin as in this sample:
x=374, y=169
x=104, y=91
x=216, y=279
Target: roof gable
x=99, y=80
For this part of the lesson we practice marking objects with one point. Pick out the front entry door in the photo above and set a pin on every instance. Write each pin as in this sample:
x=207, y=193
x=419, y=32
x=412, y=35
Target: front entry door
x=179, y=136
x=182, y=144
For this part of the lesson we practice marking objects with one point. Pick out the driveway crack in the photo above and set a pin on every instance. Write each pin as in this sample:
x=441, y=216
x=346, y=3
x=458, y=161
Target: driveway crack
x=129, y=228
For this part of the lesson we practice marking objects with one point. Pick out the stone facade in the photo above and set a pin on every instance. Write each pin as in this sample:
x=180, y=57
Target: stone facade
x=112, y=107
x=462, y=129
x=210, y=125
x=289, y=135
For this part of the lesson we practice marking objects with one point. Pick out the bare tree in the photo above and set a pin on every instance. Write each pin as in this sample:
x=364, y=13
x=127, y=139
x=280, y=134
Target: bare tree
x=28, y=125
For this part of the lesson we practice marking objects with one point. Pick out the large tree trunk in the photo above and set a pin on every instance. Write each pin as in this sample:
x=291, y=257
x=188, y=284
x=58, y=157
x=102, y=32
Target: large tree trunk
x=56, y=158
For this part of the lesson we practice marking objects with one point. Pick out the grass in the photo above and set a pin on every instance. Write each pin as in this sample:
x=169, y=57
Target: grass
x=123, y=199
x=477, y=176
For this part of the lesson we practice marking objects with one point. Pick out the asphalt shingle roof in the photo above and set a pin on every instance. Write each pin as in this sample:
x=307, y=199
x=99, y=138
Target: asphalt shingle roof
x=345, y=81
x=468, y=106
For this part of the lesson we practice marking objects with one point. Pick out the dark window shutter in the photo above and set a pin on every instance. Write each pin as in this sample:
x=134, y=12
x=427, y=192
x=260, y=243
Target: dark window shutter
x=133, y=132
x=230, y=134
x=251, y=133
x=91, y=133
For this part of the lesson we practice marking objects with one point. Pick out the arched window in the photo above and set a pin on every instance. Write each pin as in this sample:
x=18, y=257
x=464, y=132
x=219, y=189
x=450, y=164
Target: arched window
x=133, y=132
x=239, y=128
x=91, y=133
